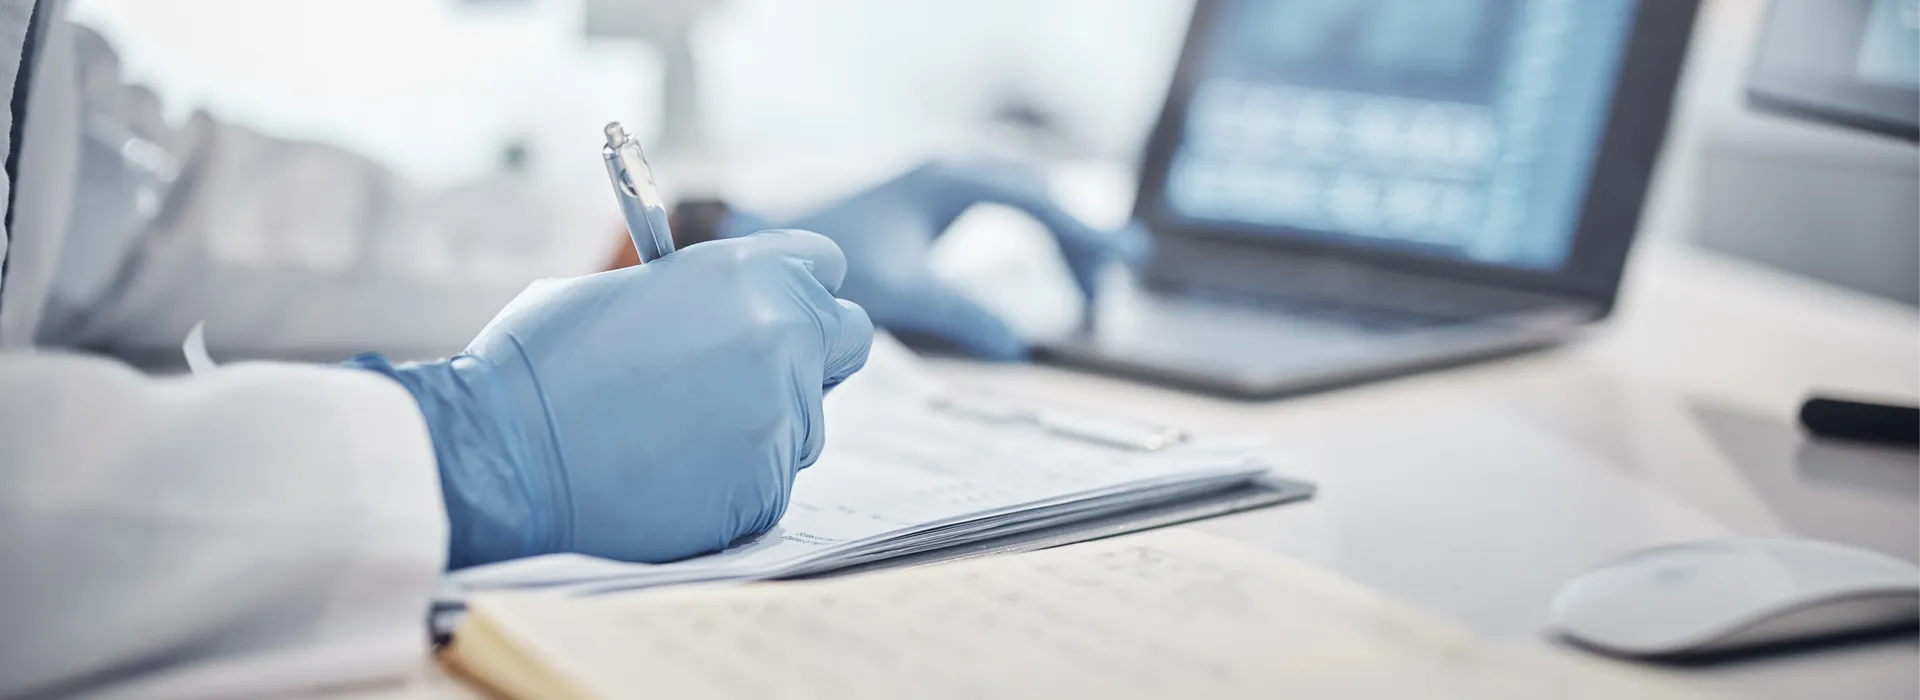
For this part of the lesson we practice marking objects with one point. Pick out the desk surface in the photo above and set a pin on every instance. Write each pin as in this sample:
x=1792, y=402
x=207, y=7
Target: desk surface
x=1476, y=492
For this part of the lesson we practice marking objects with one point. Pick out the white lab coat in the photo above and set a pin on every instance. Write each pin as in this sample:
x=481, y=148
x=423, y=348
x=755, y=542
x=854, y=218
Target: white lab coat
x=266, y=528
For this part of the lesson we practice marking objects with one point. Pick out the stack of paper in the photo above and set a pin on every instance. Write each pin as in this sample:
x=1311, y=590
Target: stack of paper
x=911, y=468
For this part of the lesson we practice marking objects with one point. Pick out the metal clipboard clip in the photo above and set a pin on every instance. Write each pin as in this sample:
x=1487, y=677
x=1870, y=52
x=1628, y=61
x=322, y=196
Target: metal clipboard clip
x=1115, y=433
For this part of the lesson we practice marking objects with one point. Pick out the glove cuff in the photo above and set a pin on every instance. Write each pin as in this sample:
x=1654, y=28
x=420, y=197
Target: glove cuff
x=488, y=480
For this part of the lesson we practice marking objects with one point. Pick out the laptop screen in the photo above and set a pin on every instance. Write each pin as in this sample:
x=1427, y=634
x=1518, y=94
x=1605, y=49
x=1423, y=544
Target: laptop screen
x=1460, y=129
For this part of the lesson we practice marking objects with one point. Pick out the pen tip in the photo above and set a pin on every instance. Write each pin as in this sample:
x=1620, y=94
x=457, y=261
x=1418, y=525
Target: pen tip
x=615, y=134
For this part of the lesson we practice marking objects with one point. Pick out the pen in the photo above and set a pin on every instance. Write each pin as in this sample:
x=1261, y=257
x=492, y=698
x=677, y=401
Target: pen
x=639, y=202
x=1861, y=421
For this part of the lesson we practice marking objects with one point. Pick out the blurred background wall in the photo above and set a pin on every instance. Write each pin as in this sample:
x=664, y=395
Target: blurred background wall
x=439, y=89
x=445, y=90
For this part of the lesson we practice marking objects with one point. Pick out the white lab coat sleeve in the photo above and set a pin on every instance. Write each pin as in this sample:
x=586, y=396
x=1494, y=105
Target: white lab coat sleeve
x=262, y=529
x=286, y=249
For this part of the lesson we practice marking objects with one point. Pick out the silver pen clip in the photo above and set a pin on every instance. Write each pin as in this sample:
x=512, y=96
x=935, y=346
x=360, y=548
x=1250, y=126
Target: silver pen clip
x=1120, y=434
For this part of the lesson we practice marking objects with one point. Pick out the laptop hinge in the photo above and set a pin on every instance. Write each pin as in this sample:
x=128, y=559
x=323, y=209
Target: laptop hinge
x=1179, y=263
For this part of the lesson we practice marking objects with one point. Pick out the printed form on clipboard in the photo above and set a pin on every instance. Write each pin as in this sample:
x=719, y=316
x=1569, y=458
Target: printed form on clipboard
x=912, y=469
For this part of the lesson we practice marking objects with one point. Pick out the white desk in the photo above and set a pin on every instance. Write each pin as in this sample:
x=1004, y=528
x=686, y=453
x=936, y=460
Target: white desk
x=1477, y=491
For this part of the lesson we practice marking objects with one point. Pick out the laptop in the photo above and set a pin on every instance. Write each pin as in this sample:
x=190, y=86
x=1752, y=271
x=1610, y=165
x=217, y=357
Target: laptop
x=1346, y=190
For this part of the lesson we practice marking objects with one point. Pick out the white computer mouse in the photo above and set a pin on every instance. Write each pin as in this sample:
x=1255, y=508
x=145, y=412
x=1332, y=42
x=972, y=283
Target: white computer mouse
x=1722, y=595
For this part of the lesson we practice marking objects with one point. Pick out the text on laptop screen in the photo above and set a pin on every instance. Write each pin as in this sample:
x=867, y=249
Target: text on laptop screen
x=1456, y=128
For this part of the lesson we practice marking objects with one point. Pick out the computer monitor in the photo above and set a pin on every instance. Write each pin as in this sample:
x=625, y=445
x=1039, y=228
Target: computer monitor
x=1855, y=63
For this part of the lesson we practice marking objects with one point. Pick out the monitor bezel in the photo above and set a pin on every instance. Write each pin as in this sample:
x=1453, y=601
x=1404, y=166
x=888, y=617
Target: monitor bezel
x=1609, y=218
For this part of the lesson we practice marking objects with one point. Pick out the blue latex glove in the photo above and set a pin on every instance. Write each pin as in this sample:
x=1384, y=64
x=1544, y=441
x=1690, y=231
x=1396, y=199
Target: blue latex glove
x=644, y=414
x=887, y=231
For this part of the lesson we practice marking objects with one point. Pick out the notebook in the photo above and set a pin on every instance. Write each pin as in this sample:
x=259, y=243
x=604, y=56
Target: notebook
x=1170, y=613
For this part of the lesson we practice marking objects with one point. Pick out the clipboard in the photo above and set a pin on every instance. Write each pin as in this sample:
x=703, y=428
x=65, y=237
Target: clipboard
x=1263, y=492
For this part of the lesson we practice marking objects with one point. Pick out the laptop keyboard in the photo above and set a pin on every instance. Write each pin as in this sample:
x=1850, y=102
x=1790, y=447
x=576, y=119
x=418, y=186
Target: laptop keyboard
x=1370, y=317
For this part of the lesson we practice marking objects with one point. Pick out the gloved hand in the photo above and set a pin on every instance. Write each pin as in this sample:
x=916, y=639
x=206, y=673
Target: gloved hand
x=644, y=414
x=887, y=231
